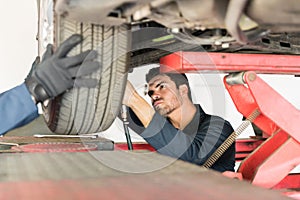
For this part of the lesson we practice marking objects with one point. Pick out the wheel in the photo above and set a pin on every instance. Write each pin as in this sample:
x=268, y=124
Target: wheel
x=84, y=110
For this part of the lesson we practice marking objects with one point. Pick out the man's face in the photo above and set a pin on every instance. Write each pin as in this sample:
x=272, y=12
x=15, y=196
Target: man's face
x=164, y=95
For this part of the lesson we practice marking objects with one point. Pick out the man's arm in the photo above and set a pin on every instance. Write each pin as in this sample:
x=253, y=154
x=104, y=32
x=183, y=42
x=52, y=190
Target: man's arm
x=16, y=108
x=56, y=73
x=138, y=105
x=59, y=72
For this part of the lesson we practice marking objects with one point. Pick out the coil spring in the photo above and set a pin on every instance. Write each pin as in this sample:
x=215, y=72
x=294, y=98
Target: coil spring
x=230, y=140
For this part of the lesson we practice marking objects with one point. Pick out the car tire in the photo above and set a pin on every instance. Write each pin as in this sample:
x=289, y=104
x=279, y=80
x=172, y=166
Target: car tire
x=90, y=110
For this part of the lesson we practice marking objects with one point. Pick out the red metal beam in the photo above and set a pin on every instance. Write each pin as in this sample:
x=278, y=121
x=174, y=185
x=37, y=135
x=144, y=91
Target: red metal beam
x=280, y=153
x=136, y=146
x=230, y=62
x=245, y=146
x=292, y=181
x=277, y=111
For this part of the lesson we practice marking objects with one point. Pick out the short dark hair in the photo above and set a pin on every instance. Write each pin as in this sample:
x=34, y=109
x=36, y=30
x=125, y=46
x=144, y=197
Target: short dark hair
x=177, y=78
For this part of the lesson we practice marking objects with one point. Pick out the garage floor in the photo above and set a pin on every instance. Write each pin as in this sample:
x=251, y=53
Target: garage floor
x=112, y=175
x=109, y=175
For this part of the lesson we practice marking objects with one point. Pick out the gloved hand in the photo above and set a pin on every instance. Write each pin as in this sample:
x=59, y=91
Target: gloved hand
x=33, y=67
x=57, y=72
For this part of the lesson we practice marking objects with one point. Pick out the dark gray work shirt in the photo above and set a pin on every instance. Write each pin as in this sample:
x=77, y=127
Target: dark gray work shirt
x=196, y=143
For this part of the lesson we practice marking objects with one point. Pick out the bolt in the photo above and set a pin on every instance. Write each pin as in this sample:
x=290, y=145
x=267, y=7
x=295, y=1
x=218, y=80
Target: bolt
x=225, y=45
x=175, y=30
x=218, y=43
x=252, y=77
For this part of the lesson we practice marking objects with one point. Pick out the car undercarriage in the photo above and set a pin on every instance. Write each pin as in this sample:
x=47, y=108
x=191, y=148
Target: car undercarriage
x=129, y=34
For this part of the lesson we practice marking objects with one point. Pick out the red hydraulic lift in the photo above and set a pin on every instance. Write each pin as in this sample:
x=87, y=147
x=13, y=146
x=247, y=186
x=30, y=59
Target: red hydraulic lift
x=270, y=164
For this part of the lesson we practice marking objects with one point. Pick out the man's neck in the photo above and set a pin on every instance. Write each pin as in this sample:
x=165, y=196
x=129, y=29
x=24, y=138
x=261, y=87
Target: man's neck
x=182, y=116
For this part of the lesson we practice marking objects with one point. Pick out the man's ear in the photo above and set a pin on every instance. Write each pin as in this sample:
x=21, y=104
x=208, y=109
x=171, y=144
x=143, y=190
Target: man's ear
x=183, y=90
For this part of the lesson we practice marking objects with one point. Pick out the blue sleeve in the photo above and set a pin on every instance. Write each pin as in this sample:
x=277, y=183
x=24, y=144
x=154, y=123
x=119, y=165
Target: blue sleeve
x=196, y=148
x=165, y=138
x=16, y=108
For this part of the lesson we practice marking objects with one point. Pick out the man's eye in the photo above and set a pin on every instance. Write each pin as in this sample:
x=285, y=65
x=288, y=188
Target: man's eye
x=162, y=86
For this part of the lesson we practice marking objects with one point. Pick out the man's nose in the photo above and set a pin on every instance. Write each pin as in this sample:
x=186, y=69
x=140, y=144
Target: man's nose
x=155, y=96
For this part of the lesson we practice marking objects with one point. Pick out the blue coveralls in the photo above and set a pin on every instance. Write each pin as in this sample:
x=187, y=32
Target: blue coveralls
x=16, y=108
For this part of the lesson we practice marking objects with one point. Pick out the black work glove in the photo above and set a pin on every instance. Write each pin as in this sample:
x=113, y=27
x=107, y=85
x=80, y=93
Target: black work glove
x=58, y=73
x=33, y=67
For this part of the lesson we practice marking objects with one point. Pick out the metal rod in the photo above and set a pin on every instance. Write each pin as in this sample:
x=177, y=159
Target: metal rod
x=235, y=78
x=9, y=143
x=65, y=136
x=126, y=129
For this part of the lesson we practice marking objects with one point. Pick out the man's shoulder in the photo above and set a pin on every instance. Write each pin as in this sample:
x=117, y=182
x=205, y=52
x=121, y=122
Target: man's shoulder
x=214, y=119
x=217, y=123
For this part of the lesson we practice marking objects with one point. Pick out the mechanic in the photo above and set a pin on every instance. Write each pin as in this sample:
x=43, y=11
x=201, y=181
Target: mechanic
x=176, y=127
x=55, y=74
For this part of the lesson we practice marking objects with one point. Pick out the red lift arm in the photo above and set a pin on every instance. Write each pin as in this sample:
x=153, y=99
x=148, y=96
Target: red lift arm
x=228, y=62
x=270, y=164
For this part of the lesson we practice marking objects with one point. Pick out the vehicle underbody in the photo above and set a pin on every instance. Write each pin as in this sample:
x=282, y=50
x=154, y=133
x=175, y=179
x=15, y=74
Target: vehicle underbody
x=247, y=25
x=129, y=34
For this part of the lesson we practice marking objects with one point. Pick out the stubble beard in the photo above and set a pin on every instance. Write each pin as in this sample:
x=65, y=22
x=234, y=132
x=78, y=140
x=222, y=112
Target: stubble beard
x=165, y=111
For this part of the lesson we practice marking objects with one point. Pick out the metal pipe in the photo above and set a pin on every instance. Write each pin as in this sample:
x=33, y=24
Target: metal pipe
x=233, y=16
x=126, y=129
x=65, y=136
x=235, y=78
